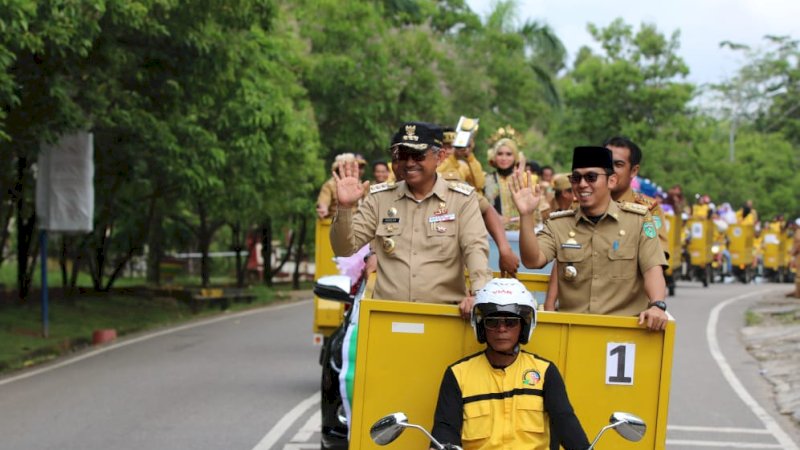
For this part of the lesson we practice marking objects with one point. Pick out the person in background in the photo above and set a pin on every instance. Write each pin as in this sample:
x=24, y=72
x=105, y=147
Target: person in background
x=380, y=172
x=326, y=200
x=747, y=215
x=794, y=253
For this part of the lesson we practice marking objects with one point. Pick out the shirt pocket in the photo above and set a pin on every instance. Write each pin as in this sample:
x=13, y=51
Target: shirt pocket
x=571, y=255
x=531, y=414
x=477, y=422
x=622, y=263
x=441, y=237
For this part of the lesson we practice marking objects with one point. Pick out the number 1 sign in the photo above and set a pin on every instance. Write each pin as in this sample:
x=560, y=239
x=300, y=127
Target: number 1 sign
x=620, y=360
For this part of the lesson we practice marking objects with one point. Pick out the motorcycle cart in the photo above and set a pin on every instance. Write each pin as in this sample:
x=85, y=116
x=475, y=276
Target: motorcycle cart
x=775, y=263
x=701, y=239
x=740, y=245
x=789, y=272
x=608, y=363
x=674, y=225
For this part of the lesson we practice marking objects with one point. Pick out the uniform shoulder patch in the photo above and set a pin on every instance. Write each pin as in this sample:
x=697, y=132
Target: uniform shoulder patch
x=462, y=188
x=564, y=213
x=380, y=187
x=645, y=200
x=634, y=208
x=451, y=175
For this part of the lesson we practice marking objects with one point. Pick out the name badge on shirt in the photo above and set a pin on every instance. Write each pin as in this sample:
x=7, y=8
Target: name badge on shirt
x=442, y=218
x=391, y=220
x=568, y=245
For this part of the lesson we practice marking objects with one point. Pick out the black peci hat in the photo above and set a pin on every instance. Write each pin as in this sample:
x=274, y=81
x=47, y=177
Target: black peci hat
x=592, y=157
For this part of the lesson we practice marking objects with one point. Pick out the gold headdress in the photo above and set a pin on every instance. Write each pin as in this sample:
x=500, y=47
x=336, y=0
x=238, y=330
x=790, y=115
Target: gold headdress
x=506, y=132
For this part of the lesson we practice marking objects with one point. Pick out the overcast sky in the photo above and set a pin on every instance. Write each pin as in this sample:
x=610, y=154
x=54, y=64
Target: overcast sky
x=703, y=25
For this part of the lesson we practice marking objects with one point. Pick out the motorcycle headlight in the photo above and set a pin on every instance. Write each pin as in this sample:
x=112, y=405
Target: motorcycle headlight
x=715, y=249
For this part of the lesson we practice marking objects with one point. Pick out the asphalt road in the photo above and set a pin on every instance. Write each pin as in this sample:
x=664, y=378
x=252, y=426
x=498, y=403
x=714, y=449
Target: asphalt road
x=250, y=382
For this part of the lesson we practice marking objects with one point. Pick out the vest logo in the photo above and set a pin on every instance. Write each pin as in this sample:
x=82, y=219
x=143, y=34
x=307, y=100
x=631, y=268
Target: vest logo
x=531, y=377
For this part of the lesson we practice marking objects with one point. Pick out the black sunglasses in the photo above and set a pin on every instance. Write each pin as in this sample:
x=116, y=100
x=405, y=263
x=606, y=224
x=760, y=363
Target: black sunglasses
x=494, y=323
x=590, y=177
x=403, y=155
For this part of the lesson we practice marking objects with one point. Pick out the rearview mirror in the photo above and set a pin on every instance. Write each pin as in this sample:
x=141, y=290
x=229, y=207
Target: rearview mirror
x=334, y=287
x=629, y=426
x=388, y=428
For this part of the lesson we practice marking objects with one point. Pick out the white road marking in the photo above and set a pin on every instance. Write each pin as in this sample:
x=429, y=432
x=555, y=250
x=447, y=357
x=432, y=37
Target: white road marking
x=770, y=424
x=286, y=421
x=127, y=342
x=312, y=425
x=717, y=429
x=722, y=444
x=301, y=446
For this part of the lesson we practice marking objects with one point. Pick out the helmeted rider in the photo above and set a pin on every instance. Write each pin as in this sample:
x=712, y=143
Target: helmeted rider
x=505, y=397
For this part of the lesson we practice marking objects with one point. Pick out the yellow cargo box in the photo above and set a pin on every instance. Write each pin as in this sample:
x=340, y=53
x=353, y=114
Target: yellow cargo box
x=701, y=239
x=609, y=364
x=740, y=244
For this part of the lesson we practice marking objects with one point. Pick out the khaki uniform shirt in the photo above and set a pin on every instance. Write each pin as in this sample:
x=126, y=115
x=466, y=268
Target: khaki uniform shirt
x=472, y=172
x=453, y=175
x=327, y=196
x=609, y=258
x=655, y=211
x=422, y=246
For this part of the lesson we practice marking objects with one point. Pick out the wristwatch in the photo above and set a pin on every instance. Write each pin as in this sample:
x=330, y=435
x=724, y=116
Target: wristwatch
x=660, y=304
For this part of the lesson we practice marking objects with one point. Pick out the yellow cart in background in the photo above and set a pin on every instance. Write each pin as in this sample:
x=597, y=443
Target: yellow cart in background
x=776, y=261
x=701, y=239
x=609, y=363
x=328, y=314
x=740, y=245
x=674, y=226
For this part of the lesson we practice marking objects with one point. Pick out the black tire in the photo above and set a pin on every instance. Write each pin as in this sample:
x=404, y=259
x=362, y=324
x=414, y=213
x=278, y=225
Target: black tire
x=707, y=276
x=671, y=291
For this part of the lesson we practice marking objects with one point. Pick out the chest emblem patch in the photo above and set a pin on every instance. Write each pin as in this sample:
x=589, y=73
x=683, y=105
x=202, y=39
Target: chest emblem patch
x=531, y=377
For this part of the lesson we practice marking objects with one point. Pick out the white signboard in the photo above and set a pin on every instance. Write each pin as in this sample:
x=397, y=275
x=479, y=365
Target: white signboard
x=65, y=184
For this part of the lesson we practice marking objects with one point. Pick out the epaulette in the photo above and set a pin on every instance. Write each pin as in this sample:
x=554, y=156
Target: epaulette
x=645, y=200
x=562, y=213
x=380, y=187
x=463, y=188
x=451, y=175
x=634, y=208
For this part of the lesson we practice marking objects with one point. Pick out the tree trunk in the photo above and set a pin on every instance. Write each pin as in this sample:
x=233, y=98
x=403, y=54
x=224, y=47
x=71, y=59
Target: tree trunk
x=299, y=253
x=266, y=250
x=237, y=245
x=155, y=248
x=63, y=257
x=25, y=232
x=204, y=241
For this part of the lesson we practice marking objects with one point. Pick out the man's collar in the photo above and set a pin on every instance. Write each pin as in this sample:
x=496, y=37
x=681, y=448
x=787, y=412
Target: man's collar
x=612, y=210
x=439, y=189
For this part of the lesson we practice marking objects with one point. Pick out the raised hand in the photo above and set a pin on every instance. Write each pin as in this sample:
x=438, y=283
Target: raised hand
x=349, y=189
x=526, y=197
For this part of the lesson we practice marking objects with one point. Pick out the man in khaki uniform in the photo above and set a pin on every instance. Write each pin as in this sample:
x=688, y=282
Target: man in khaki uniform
x=326, y=200
x=627, y=157
x=425, y=228
x=795, y=253
x=609, y=257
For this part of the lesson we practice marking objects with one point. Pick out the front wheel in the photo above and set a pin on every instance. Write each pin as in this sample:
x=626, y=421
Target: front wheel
x=707, y=276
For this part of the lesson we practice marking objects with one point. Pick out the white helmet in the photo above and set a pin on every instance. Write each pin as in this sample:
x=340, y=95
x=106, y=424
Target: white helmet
x=508, y=296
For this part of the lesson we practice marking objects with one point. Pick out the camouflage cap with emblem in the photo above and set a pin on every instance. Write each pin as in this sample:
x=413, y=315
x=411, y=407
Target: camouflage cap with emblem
x=417, y=136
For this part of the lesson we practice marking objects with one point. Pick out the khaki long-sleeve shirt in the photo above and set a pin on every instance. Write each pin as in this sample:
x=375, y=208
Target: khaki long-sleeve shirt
x=422, y=246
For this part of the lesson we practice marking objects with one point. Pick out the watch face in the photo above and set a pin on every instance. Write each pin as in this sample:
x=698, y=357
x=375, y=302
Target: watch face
x=660, y=305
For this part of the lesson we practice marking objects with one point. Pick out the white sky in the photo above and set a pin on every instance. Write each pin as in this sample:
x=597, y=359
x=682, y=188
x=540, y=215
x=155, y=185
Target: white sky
x=703, y=25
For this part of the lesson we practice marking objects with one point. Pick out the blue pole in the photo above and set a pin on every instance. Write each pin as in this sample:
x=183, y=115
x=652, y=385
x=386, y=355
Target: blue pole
x=43, y=259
